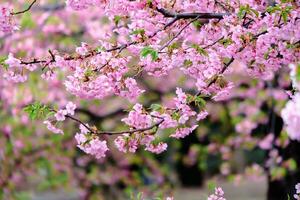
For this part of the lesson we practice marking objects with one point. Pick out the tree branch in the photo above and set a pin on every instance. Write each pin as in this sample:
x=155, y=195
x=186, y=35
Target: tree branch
x=27, y=9
x=93, y=131
x=170, y=41
x=170, y=14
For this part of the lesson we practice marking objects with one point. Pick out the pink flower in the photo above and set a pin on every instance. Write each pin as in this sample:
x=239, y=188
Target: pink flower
x=224, y=93
x=70, y=108
x=52, y=128
x=181, y=96
x=245, y=126
x=168, y=121
x=297, y=195
x=127, y=143
x=266, y=143
x=159, y=148
x=133, y=91
x=80, y=4
x=83, y=50
x=7, y=24
x=96, y=148
x=92, y=146
x=137, y=119
x=13, y=62
x=219, y=195
x=84, y=129
x=60, y=115
x=202, y=115
x=183, y=132
x=120, y=143
x=80, y=138
x=291, y=117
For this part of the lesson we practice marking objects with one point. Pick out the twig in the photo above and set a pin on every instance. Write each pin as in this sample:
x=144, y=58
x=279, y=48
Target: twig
x=170, y=41
x=169, y=14
x=27, y=9
x=114, y=133
x=132, y=131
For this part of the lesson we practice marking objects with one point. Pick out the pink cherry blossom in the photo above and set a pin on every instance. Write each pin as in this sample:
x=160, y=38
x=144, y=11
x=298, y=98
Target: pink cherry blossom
x=157, y=148
x=52, y=128
x=70, y=108
x=183, y=132
x=61, y=115
x=202, y=115
x=218, y=195
x=137, y=119
x=7, y=24
x=291, y=117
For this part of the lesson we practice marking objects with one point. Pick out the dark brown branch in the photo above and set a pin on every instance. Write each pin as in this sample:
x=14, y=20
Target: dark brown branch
x=27, y=9
x=133, y=130
x=93, y=131
x=166, y=13
x=96, y=117
x=94, y=52
x=170, y=14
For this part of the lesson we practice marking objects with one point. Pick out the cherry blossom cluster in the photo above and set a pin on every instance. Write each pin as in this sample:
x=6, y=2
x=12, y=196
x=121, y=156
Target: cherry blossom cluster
x=89, y=144
x=80, y=4
x=102, y=76
x=297, y=194
x=139, y=119
x=7, y=23
x=60, y=116
x=291, y=113
x=218, y=195
x=16, y=71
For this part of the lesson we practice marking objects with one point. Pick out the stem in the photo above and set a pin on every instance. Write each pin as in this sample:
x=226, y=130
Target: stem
x=115, y=133
x=170, y=41
x=170, y=14
x=132, y=131
x=27, y=9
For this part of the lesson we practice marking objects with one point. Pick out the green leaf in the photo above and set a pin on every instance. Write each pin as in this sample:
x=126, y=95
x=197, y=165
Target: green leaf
x=38, y=111
x=187, y=63
x=197, y=24
x=211, y=185
x=272, y=9
x=226, y=42
x=200, y=50
x=285, y=13
x=155, y=107
x=99, y=49
x=149, y=51
x=138, y=32
x=246, y=10
x=200, y=102
x=255, y=12
x=175, y=116
x=117, y=19
x=139, y=196
x=298, y=72
x=2, y=62
x=242, y=12
x=292, y=164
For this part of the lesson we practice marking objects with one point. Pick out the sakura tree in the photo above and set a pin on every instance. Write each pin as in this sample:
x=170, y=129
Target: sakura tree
x=103, y=82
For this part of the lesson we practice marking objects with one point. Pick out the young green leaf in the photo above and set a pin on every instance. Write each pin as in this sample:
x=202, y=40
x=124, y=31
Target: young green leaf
x=37, y=111
x=149, y=51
